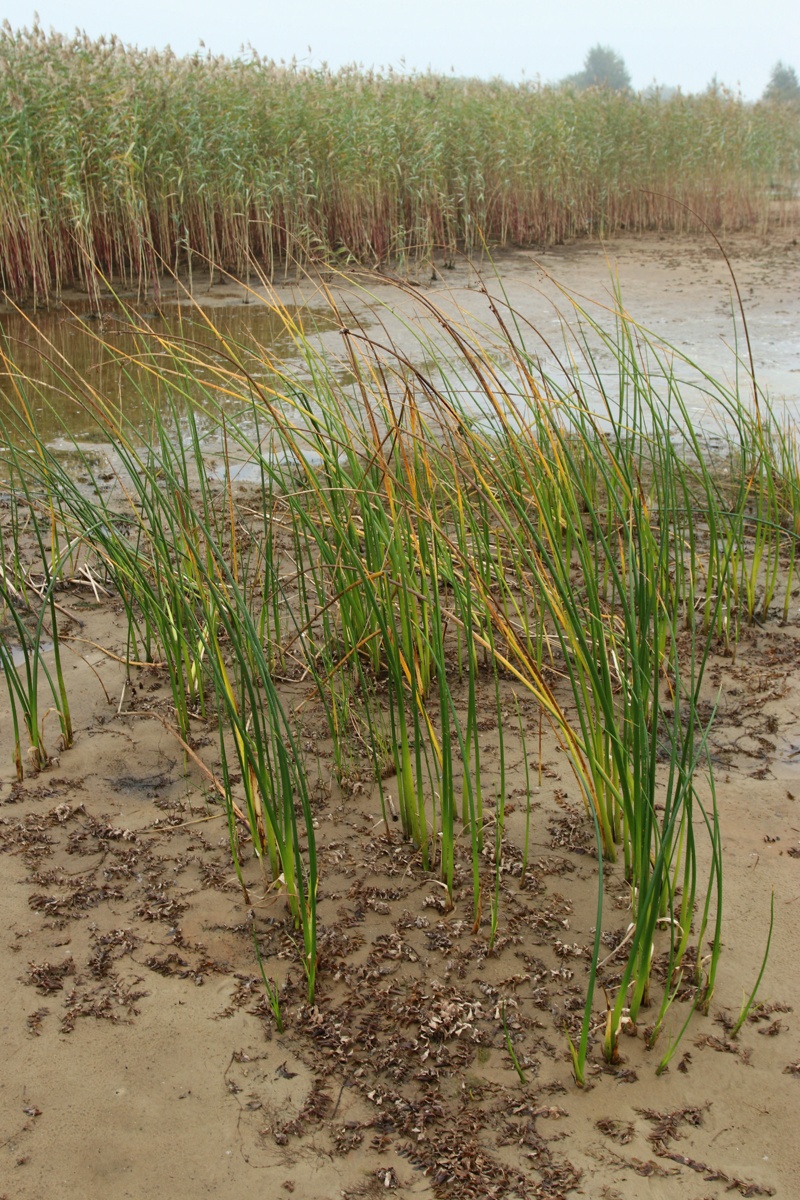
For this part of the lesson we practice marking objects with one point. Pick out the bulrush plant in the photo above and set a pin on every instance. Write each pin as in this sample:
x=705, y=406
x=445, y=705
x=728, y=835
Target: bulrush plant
x=443, y=525
x=163, y=545
x=21, y=662
x=29, y=630
x=623, y=646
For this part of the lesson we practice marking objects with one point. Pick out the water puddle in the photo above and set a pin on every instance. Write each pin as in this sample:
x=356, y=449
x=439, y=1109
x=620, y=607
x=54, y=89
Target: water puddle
x=788, y=752
x=18, y=653
x=785, y=763
x=117, y=355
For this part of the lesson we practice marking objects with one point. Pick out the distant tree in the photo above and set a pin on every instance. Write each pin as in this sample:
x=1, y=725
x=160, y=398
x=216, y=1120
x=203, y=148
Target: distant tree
x=602, y=67
x=783, y=84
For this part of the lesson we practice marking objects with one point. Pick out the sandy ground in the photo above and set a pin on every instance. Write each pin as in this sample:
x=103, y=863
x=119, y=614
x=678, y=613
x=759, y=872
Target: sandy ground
x=140, y=1057
x=680, y=289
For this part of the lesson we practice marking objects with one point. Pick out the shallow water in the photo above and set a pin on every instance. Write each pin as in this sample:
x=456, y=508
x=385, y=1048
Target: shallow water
x=18, y=653
x=53, y=347
x=678, y=290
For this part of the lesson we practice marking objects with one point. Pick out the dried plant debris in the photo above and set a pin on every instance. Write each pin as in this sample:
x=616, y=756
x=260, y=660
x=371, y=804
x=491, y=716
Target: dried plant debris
x=667, y=1125
x=34, y=1021
x=461, y=1168
x=571, y=833
x=667, y=1128
x=78, y=897
x=711, y=1174
x=724, y=1046
x=618, y=1131
x=758, y=1013
x=763, y=1011
x=647, y=1168
x=114, y=1000
x=109, y=948
x=48, y=977
x=774, y=1028
x=159, y=906
x=318, y=1106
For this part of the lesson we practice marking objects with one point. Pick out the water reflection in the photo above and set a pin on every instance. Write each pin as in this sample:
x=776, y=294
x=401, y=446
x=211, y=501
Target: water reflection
x=79, y=373
x=54, y=351
x=19, y=655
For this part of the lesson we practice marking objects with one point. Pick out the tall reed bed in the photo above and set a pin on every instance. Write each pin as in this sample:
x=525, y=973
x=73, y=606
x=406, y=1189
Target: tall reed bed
x=475, y=528
x=117, y=163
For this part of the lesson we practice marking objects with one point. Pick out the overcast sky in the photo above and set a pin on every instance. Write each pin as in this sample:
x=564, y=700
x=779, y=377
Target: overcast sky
x=682, y=42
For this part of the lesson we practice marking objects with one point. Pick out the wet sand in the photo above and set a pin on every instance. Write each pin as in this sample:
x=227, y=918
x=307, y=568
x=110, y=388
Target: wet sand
x=679, y=289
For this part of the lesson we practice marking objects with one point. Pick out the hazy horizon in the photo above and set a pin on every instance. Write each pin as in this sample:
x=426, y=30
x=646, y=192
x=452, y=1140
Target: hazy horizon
x=698, y=42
